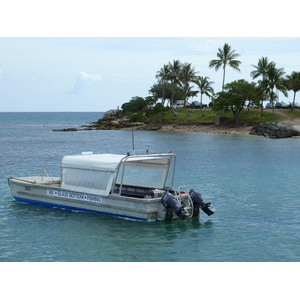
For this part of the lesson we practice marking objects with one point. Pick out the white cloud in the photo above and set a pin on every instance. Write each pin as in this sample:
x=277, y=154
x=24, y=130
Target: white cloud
x=91, y=77
x=82, y=82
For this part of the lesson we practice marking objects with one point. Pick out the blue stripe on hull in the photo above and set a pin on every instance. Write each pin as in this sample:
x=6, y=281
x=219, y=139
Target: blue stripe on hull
x=75, y=208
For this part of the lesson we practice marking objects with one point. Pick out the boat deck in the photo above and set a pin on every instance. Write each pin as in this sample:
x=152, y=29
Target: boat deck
x=40, y=180
x=127, y=190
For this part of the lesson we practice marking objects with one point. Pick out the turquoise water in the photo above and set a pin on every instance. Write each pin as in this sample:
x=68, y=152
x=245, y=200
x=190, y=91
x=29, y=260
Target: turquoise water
x=253, y=183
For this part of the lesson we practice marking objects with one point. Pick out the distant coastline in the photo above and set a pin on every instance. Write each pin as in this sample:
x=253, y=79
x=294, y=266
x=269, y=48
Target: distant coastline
x=114, y=120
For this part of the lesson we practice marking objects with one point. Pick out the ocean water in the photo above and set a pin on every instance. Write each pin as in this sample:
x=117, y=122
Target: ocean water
x=253, y=182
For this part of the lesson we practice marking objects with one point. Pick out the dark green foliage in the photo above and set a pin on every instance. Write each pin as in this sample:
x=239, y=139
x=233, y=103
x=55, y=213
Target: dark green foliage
x=292, y=82
x=136, y=104
x=137, y=117
x=234, y=97
x=158, y=108
x=150, y=101
x=162, y=90
x=141, y=116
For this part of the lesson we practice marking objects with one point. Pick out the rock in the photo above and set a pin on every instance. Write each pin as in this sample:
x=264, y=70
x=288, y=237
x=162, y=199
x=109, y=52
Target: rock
x=275, y=130
x=149, y=127
x=112, y=114
x=66, y=129
x=220, y=120
x=114, y=123
x=113, y=120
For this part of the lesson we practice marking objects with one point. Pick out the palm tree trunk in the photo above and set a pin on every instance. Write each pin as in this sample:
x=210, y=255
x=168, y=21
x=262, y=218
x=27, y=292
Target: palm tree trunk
x=187, y=112
x=272, y=100
x=202, y=114
x=223, y=112
x=294, y=101
x=185, y=106
x=262, y=107
x=223, y=79
x=172, y=105
x=262, y=100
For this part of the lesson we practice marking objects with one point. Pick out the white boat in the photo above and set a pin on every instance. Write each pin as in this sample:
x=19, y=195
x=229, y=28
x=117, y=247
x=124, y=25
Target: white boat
x=129, y=186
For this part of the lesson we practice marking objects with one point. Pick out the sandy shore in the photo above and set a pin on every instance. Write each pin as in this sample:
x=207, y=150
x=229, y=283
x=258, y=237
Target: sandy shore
x=208, y=129
x=212, y=128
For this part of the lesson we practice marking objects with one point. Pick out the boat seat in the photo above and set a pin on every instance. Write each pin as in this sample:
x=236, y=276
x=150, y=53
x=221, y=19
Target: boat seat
x=133, y=191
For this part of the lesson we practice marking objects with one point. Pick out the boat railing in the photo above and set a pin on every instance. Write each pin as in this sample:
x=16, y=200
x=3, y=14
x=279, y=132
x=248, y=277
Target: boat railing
x=172, y=161
x=181, y=195
x=47, y=173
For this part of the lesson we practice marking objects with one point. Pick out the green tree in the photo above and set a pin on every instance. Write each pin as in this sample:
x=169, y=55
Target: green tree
x=162, y=90
x=150, y=100
x=274, y=79
x=163, y=76
x=173, y=76
x=293, y=84
x=226, y=56
x=205, y=87
x=158, y=111
x=234, y=96
x=187, y=74
x=136, y=104
x=261, y=70
x=184, y=91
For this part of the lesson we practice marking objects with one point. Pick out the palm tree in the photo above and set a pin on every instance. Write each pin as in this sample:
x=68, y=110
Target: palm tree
x=185, y=91
x=226, y=57
x=173, y=76
x=274, y=79
x=187, y=74
x=261, y=70
x=293, y=84
x=162, y=76
x=204, y=86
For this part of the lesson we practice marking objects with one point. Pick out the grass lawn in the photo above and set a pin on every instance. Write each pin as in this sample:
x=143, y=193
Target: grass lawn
x=295, y=112
x=253, y=116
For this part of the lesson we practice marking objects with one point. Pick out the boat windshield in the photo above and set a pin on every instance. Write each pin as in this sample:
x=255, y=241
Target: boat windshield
x=142, y=177
x=148, y=172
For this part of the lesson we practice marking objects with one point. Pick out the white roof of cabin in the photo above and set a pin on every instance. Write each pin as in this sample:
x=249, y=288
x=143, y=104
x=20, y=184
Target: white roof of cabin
x=110, y=162
x=105, y=162
x=95, y=173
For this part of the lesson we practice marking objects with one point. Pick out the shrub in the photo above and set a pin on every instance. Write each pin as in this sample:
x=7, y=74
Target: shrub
x=137, y=117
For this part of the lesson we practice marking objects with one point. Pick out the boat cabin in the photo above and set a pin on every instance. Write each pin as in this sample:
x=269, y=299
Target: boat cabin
x=127, y=175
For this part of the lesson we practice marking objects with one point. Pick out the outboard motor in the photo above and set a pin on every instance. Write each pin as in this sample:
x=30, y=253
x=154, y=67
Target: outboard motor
x=168, y=201
x=198, y=202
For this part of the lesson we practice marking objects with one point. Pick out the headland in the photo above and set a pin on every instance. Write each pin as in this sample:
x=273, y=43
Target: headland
x=286, y=125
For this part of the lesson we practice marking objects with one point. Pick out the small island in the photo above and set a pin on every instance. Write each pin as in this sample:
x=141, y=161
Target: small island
x=237, y=109
x=286, y=124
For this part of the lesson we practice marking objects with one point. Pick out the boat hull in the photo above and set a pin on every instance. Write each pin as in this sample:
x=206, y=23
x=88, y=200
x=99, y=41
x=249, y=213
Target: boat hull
x=31, y=190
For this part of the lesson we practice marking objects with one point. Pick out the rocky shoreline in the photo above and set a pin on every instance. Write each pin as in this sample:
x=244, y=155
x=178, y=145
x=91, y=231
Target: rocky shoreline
x=113, y=120
x=276, y=130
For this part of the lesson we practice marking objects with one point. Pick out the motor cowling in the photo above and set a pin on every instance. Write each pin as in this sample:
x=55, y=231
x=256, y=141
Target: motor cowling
x=168, y=201
x=198, y=202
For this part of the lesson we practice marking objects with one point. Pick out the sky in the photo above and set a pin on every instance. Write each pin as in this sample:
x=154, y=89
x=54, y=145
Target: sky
x=100, y=73
x=82, y=65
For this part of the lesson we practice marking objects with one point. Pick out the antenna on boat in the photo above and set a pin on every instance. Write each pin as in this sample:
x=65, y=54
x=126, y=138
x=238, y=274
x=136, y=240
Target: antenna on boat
x=132, y=137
